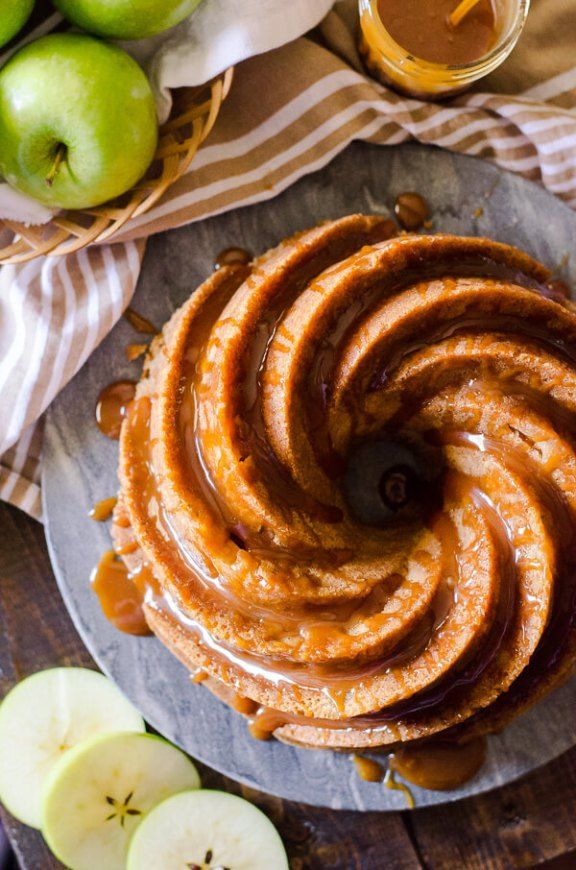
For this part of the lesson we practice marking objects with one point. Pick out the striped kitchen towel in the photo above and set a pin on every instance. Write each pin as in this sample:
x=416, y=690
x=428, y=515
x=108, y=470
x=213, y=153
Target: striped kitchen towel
x=289, y=113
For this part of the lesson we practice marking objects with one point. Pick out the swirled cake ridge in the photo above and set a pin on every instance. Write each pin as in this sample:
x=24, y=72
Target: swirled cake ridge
x=348, y=479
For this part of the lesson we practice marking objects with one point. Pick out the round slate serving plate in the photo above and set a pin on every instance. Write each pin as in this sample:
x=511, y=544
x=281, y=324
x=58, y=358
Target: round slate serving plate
x=467, y=196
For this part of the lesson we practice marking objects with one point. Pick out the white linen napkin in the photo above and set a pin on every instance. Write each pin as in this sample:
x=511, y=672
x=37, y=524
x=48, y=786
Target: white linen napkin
x=218, y=34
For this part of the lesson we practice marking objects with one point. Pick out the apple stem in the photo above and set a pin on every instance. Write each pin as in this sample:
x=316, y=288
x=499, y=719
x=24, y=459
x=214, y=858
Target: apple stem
x=58, y=158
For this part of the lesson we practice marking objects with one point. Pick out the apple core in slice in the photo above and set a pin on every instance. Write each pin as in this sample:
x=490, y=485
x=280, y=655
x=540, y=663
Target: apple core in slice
x=208, y=829
x=98, y=794
x=42, y=718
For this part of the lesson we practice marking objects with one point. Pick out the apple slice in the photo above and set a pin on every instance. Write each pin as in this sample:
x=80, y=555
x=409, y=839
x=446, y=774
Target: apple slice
x=208, y=830
x=44, y=716
x=98, y=793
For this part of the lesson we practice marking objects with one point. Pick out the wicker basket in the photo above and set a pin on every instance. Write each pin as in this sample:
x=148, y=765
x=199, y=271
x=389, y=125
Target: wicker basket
x=193, y=116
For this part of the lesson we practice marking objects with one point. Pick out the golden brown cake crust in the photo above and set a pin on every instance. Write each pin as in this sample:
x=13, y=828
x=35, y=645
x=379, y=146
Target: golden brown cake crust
x=453, y=611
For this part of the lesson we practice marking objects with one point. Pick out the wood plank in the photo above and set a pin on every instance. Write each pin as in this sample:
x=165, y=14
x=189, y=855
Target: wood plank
x=521, y=825
x=36, y=632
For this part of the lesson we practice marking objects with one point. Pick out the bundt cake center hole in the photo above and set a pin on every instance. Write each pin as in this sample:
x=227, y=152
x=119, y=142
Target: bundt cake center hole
x=384, y=480
x=398, y=486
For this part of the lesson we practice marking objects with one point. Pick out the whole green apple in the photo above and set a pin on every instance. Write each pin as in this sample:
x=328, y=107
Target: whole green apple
x=77, y=121
x=125, y=19
x=13, y=16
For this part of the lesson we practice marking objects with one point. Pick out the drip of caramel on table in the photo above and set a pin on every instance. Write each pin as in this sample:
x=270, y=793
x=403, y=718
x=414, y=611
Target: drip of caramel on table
x=423, y=28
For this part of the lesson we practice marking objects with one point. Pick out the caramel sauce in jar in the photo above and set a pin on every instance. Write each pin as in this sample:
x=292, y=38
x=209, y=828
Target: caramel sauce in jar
x=440, y=765
x=424, y=29
x=102, y=510
x=112, y=406
x=121, y=598
x=413, y=45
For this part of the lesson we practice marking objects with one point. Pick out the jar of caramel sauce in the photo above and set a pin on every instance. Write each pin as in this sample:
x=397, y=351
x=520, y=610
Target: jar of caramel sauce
x=416, y=47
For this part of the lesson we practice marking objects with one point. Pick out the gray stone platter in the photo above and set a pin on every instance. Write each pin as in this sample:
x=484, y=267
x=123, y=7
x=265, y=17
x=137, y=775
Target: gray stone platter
x=468, y=196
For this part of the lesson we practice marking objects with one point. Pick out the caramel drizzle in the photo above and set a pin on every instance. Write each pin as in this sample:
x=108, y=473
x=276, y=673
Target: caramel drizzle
x=368, y=769
x=103, y=510
x=560, y=626
x=277, y=672
x=386, y=286
x=250, y=409
x=326, y=680
x=112, y=407
x=134, y=351
x=438, y=764
x=371, y=771
x=121, y=594
x=392, y=783
x=233, y=257
x=139, y=323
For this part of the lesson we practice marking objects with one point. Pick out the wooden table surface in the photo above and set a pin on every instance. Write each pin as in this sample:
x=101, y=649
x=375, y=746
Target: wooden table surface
x=529, y=824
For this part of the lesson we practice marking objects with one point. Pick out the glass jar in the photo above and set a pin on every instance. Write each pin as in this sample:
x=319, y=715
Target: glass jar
x=415, y=77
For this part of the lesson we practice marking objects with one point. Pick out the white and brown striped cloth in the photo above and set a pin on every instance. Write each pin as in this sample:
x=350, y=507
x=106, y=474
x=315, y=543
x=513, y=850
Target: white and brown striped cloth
x=289, y=113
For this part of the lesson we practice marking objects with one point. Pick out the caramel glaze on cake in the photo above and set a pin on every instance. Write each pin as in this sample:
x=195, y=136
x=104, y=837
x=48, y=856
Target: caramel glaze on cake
x=453, y=612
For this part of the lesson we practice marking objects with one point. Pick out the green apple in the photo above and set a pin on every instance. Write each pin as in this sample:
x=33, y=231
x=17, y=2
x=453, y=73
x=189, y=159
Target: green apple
x=13, y=16
x=77, y=121
x=125, y=19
